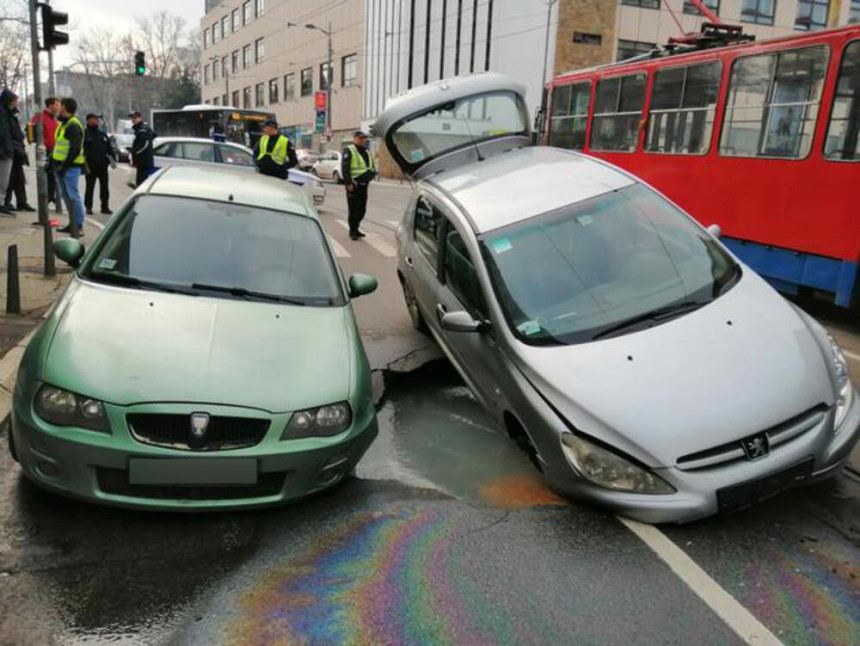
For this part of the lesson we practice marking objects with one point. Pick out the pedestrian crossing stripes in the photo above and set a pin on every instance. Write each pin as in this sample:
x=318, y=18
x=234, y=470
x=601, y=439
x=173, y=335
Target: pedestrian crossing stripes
x=339, y=250
x=383, y=247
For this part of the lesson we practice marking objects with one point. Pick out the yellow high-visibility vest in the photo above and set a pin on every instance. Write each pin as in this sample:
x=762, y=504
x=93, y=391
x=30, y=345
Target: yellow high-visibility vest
x=279, y=153
x=357, y=165
x=61, y=145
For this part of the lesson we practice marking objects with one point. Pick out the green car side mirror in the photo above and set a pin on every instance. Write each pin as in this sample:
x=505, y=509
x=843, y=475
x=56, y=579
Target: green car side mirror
x=361, y=284
x=69, y=251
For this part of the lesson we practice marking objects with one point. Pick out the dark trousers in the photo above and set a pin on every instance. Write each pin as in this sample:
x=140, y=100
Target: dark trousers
x=53, y=195
x=141, y=174
x=100, y=174
x=17, y=185
x=356, y=201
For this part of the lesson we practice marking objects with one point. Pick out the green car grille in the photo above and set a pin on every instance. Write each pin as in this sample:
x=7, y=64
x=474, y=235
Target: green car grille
x=175, y=431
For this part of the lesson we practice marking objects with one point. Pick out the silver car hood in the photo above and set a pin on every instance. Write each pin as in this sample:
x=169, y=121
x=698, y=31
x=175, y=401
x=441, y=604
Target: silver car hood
x=738, y=366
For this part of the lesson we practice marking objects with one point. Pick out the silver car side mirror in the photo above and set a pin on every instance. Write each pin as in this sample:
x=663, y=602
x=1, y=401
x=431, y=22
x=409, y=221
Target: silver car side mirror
x=460, y=322
x=715, y=230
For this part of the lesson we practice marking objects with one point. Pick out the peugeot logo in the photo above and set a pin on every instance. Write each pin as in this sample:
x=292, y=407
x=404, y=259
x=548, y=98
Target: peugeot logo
x=756, y=447
x=199, y=424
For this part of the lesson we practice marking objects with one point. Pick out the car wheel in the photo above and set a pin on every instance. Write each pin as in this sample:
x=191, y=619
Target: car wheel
x=336, y=177
x=12, y=450
x=412, y=306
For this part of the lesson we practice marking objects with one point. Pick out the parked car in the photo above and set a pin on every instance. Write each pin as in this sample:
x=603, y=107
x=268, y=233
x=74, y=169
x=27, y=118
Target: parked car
x=328, y=166
x=205, y=353
x=307, y=158
x=638, y=363
x=123, y=144
x=191, y=151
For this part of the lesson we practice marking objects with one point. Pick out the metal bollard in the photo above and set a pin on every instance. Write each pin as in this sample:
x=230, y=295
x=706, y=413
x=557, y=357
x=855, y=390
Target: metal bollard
x=13, y=283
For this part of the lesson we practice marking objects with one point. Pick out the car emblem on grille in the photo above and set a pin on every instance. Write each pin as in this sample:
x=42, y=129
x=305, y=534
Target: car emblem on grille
x=756, y=447
x=199, y=424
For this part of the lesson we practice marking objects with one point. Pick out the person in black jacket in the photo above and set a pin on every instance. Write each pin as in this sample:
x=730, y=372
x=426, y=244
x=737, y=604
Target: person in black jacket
x=99, y=155
x=8, y=102
x=17, y=181
x=141, y=150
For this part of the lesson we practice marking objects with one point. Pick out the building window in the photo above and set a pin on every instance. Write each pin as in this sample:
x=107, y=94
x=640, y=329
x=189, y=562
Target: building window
x=854, y=12
x=216, y=101
x=349, y=70
x=645, y=4
x=235, y=102
x=246, y=12
x=811, y=14
x=246, y=57
x=225, y=65
x=205, y=38
x=587, y=39
x=259, y=98
x=290, y=87
x=215, y=29
x=216, y=67
x=772, y=104
x=246, y=97
x=325, y=77
x=843, y=132
x=307, y=81
x=569, y=116
x=225, y=100
x=618, y=107
x=760, y=12
x=683, y=105
x=234, y=20
x=234, y=61
x=630, y=48
x=206, y=74
x=259, y=8
x=273, y=91
x=713, y=5
x=225, y=26
x=259, y=52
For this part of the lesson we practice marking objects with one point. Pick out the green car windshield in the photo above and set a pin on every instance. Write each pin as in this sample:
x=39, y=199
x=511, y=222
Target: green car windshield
x=217, y=249
x=602, y=267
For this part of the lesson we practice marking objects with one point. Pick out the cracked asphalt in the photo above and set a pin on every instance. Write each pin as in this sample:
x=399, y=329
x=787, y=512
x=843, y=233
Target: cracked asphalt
x=446, y=535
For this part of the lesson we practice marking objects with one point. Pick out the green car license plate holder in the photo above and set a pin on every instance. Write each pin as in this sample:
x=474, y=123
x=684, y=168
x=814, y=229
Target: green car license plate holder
x=194, y=471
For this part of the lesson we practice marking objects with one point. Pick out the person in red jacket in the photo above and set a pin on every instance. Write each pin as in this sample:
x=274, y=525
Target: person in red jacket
x=48, y=120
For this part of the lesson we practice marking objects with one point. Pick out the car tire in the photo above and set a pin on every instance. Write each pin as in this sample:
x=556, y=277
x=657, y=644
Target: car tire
x=418, y=321
x=12, y=450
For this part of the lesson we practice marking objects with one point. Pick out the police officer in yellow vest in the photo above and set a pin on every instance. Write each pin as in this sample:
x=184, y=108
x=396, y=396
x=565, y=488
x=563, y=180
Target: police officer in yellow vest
x=357, y=169
x=274, y=153
x=68, y=162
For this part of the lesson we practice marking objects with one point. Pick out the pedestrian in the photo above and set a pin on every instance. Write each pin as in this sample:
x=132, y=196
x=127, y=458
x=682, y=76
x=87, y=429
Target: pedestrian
x=141, y=150
x=274, y=154
x=8, y=100
x=48, y=120
x=99, y=155
x=17, y=182
x=69, y=161
x=357, y=169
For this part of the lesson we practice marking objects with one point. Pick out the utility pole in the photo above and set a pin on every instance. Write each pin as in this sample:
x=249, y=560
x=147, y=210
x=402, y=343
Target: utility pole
x=329, y=77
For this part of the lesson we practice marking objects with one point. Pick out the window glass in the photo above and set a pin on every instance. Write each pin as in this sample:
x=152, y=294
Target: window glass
x=569, y=117
x=246, y=12
x=307, y=81
x=842, y=141
x=349, y=71
x=259, y=98
x=273, y=91
x=759, y=12
x=683, y=105
x=647, y=4
x=617, y=112
x=259, y=51
x=246, y=97
x=172, y=149
x=773, y=102
x=236, y=157
x=630, y=48
x=460, y=274
x=428, y=227
x=854, y=12
x=246, y=56
x=234, y=20
x=811, y=14
x=289, y=87
x=234, y=61
x=199, y=151
x=225, y=26
x=713, y=5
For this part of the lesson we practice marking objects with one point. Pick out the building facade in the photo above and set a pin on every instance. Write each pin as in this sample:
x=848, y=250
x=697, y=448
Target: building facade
x=272, y=55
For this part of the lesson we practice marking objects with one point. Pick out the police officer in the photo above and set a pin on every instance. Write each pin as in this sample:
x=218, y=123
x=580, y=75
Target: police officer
x=68, y=161
x=274, y=153
x=142, y=157
x=99, y=155
x=357, y=170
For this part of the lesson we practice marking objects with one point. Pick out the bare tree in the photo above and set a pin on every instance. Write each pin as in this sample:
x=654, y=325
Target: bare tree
x=161, y=37
x=106, y=59
x=14, y=53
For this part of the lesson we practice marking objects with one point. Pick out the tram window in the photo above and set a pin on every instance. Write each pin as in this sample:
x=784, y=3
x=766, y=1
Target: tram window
x=617, y=111
x=569, y=117
x=843, y=142
x=683, y=105
x=773, y=103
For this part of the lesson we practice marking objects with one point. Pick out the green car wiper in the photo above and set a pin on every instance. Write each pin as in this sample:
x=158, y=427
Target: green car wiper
x=131, y=281
x=241, y=292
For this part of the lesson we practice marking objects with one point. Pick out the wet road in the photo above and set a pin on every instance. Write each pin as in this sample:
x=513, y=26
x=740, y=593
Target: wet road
x=446, y=535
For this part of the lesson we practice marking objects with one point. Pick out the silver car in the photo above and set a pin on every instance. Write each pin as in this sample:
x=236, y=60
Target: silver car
x=192, y=151
x=637, y=362
x=328, y=166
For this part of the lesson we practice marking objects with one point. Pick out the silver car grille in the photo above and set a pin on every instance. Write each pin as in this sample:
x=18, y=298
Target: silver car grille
x=733, y=451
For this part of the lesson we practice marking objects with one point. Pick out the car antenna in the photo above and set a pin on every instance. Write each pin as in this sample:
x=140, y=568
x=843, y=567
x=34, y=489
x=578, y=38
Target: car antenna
x=474, y=143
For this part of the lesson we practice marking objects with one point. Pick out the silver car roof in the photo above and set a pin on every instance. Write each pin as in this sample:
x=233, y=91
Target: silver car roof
x=526, y=182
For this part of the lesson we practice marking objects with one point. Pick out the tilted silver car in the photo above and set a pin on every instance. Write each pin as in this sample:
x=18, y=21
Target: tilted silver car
x=638, y=363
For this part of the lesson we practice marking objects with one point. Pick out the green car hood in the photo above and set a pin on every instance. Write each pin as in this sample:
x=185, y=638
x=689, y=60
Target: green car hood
x=128, y=346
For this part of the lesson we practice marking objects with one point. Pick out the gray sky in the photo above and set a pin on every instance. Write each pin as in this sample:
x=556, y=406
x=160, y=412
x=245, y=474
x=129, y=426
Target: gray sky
x=118, y=15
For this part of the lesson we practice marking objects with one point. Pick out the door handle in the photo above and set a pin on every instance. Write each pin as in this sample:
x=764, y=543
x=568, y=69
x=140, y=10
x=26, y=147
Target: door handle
x=409, y=262
x=441, y=311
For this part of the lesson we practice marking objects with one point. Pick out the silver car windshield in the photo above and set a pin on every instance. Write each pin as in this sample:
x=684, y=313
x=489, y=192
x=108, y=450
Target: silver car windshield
x=217, y=249
x=606, y=266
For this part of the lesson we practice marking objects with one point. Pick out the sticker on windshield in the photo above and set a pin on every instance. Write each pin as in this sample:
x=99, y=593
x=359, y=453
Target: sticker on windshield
x=501, y=245
x=417, y=156
x=529, y=328
x=107, y=263
x=585, y=220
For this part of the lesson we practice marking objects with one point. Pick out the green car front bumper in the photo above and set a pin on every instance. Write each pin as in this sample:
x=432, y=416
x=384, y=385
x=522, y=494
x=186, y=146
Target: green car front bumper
x=119, y=468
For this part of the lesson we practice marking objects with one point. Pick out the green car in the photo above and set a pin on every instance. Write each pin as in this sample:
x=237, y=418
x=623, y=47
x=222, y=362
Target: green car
x=204, y=355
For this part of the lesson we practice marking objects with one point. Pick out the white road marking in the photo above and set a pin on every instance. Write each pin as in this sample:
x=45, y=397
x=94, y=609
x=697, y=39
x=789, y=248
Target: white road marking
x=851, y=355
x=339, y=249
x=738, y=618
x=96, y=224
x=375, y=241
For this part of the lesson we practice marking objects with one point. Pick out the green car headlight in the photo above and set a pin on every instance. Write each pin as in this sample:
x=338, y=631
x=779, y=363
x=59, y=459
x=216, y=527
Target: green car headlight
x=63, y=408
x=324, y=421
x=605, y=468
x=844, y=390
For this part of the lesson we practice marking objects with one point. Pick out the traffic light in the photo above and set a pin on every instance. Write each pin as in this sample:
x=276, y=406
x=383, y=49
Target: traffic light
x=50, y=20
x=139, y=63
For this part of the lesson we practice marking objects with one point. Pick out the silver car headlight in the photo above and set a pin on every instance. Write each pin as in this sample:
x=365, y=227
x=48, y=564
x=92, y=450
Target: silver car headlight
x=844, y=390
x=63, y=408
x=324, y=421
x=605, y=468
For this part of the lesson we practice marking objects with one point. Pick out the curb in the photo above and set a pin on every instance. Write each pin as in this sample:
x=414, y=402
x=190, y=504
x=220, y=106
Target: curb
x=9, y=371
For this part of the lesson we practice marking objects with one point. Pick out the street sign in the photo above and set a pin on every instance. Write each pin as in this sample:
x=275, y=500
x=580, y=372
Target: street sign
x=320, y=100
x=328, y=133
x=319, y=124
